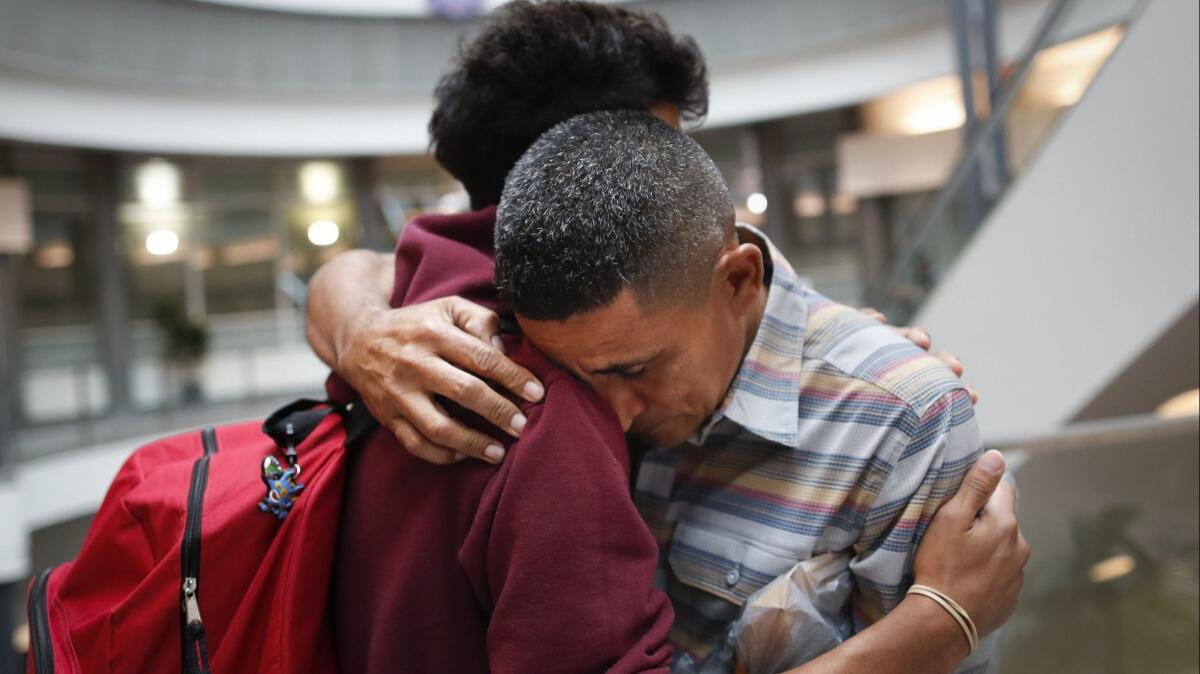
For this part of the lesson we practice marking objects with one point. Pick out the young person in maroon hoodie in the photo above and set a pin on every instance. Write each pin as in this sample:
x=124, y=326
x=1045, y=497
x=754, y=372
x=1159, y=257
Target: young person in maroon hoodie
x=541, y=563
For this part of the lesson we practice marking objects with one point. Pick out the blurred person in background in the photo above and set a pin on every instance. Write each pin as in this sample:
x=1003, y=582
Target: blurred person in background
x=532, y=67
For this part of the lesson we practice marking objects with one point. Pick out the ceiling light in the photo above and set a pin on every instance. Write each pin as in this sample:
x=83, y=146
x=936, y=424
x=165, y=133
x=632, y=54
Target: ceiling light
x=54, y=255
x=843, y=204
x=157, y=183
x=756, y=203
x=16, y=216
x=809, y=205
x=1112, y=569
x=1093, y=48
x=320, y=182
x=1186, y=404
x=923, y=107
x=935, y=116
x=20, y=639
x=1062, y=73
x=162, y=242
x=323, y=232
x=1069, y=93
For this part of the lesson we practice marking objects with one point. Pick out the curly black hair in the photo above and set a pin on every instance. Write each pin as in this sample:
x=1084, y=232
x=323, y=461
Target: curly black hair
x=534, y=65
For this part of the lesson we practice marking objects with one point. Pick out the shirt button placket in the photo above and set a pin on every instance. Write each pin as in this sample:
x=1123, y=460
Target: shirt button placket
x=734, y=575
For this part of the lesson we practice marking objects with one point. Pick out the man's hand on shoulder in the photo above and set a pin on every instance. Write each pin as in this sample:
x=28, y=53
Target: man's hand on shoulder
x=920, y=338
x=973, y=550
x=399, y=359
x=973, y=553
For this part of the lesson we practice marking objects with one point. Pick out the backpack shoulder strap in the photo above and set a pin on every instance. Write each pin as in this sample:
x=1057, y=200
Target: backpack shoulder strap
x=357, y=421
x=291, y=424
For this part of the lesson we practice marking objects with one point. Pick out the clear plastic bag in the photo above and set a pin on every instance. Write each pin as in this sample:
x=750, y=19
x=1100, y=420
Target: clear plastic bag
x=788, y=622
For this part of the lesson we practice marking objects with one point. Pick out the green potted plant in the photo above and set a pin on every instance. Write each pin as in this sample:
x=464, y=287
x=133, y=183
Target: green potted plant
x=186, y=343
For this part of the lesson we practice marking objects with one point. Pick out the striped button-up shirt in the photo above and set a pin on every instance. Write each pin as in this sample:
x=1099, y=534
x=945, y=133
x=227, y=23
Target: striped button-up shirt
x=836, y=435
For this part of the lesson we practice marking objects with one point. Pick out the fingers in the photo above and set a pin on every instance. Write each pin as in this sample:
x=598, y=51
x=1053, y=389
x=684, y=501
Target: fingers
x=950, y=361
x=1002, y=506
x=469, y=352
x=428, y=433
x=977, y=486
x=922, y=339
x=473, y=394
x=1000, y=512
x=875, y=314
x=956, y=366
x=488, y=362
x=917, y=336
x=416, y=444
x=475, y=320
x=999, y=520
x=439, y=431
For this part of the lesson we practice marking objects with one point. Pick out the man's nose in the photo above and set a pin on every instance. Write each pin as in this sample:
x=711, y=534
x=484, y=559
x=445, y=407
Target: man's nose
x=626, y=403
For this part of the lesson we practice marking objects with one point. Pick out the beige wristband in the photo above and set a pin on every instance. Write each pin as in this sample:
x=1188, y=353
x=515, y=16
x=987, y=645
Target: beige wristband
x=952, y=607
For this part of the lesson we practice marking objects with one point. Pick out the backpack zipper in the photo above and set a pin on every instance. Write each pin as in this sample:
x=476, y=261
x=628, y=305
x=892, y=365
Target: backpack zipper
x=39, y=625
x=195, y=647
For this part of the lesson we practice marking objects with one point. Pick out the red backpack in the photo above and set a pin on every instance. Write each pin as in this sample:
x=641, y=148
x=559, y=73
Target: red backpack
x=212, y=552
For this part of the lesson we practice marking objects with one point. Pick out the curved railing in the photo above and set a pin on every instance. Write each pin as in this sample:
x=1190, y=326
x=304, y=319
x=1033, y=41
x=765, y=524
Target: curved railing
x=931, y=241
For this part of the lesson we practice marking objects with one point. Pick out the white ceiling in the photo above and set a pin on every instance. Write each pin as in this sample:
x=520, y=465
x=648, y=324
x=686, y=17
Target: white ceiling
x=376, y=8
x=196, y=77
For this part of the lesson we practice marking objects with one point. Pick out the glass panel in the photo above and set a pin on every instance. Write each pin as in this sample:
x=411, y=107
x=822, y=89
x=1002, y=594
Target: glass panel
x=60, y=372
x=235, y=252
x=1112, y=585
x=1057, y=75
x=409, y=186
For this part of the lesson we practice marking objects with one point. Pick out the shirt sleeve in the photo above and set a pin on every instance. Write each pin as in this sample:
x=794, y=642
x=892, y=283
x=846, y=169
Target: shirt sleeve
x=570, y=563
x=924, y=471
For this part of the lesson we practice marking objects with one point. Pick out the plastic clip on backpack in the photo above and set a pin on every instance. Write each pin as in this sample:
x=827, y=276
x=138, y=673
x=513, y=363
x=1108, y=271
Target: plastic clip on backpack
x=208, y=554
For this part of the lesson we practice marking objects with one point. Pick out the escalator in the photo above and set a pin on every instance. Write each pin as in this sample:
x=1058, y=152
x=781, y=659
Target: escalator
x=1074, y=296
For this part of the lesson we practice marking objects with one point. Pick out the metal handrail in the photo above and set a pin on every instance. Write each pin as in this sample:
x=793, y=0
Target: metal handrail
x=1111, y=431
x=925, y=221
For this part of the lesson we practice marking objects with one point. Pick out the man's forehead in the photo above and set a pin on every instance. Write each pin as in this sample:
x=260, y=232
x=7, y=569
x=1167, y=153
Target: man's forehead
x=619, y=333
x=619, y=358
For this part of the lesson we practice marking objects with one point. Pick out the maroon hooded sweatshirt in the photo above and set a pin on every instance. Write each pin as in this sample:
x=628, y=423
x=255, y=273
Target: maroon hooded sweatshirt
x=541, y=564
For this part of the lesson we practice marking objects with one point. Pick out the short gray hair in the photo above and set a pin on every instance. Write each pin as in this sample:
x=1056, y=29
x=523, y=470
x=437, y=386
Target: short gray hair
x=608, y=200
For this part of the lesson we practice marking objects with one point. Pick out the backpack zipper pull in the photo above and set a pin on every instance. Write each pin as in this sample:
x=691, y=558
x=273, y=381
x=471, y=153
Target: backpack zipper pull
x=191, y=607
x=290, y=452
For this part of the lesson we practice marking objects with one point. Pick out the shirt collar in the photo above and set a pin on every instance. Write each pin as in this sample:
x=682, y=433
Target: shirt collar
x=764, y=397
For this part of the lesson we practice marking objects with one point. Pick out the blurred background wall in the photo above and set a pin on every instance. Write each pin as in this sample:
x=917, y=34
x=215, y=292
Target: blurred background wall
x=1019, y=176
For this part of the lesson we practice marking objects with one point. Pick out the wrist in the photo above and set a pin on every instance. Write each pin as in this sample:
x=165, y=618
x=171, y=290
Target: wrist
x=346, y=331
x=939, y=630
x=956, y=611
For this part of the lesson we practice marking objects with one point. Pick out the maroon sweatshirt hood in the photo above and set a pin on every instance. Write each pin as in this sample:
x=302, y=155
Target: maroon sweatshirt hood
x=539, y=564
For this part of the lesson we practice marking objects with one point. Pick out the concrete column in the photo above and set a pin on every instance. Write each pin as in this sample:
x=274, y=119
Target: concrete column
x=373, y=229
x=874, y=243
x=751, y=178
x=111, y=281
x=761, y=173
x=10, y=375
x=8, y=593
x=10, y=386
x=10, y=333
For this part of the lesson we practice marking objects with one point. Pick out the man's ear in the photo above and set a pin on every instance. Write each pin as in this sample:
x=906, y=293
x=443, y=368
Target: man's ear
x=740, y=271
